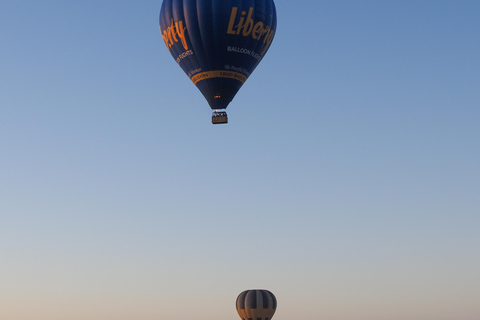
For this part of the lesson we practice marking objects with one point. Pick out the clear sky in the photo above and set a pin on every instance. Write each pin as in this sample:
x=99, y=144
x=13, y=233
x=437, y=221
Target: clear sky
x=347, y=181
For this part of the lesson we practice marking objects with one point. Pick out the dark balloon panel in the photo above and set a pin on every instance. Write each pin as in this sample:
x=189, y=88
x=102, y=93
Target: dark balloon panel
x=218, y=43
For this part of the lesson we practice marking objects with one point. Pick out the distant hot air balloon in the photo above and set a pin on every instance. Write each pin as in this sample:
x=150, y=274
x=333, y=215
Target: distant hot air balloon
x=256, y=305
x=218, y=43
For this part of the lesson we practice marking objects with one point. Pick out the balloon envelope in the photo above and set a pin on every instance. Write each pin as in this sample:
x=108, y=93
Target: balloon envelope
x=218, y=43
x=256, y=304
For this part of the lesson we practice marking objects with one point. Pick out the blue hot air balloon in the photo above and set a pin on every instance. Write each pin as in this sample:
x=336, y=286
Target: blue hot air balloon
x=218, y=43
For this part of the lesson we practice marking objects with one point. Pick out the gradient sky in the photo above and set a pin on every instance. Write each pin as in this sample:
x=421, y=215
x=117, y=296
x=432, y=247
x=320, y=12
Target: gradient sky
x=347, y=181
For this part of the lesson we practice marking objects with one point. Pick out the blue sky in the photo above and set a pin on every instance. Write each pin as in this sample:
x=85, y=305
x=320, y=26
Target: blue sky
x=346, y=182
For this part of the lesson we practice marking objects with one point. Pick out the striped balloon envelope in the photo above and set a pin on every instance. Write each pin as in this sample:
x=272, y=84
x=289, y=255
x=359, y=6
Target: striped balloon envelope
x=256, y=305
x=218, y=43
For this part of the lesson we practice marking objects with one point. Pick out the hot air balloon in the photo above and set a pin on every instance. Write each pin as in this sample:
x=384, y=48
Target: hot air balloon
x=218, y=43
x=256, y=305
